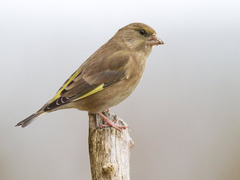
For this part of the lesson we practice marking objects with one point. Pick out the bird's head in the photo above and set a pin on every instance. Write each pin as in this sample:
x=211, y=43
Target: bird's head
x=139, y=36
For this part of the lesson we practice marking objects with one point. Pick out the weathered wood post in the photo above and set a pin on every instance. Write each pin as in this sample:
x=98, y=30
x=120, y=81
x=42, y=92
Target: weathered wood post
x=109, y=149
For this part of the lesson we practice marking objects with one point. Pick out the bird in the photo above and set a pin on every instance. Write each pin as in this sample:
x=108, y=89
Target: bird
x=107, y=77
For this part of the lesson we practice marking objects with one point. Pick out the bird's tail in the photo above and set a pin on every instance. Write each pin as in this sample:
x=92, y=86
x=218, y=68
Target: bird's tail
x=30, y=119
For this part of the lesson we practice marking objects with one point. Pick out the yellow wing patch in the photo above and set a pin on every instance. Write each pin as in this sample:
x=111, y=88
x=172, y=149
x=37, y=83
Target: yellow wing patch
x=65, y=85
x=97, y=89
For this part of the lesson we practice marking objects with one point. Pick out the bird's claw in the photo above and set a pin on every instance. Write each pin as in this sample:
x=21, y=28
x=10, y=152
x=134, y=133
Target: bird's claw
x=111, y=123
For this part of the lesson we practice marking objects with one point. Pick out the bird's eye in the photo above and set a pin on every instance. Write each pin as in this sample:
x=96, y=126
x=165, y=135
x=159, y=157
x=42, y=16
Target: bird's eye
x=142, y=32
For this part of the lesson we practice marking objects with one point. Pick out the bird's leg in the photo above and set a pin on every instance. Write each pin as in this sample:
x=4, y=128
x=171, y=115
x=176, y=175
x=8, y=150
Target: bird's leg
x=110, y=123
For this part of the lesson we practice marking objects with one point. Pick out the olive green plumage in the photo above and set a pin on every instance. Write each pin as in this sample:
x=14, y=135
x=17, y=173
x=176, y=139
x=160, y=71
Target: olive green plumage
x=108, y=76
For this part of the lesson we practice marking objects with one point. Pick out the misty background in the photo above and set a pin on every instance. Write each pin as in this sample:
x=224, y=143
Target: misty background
x=184, y=115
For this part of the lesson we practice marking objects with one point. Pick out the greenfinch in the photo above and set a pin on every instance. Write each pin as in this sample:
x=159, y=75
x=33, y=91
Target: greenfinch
x=108, y=76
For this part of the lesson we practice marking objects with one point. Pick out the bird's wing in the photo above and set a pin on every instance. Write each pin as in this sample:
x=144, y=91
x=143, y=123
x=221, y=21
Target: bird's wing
x=92, y=77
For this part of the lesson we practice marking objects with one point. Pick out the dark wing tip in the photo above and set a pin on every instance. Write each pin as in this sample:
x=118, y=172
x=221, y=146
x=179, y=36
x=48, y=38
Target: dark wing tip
x=56, y=103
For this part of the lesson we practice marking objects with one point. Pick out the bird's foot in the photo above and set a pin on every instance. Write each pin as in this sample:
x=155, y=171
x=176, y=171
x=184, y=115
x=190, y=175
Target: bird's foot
x=111, y=123
x=107, y=110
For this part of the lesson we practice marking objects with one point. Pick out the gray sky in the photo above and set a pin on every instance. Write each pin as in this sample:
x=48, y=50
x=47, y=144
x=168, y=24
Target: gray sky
x=184, y=115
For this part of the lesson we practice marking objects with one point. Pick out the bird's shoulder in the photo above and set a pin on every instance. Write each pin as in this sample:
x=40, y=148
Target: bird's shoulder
x=110, y=56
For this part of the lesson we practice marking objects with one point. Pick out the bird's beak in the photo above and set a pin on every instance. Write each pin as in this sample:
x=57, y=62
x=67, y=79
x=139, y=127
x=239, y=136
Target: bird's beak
x=154, y=40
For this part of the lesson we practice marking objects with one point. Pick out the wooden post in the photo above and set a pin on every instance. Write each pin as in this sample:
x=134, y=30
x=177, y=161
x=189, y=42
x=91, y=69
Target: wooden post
x=109, y=149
